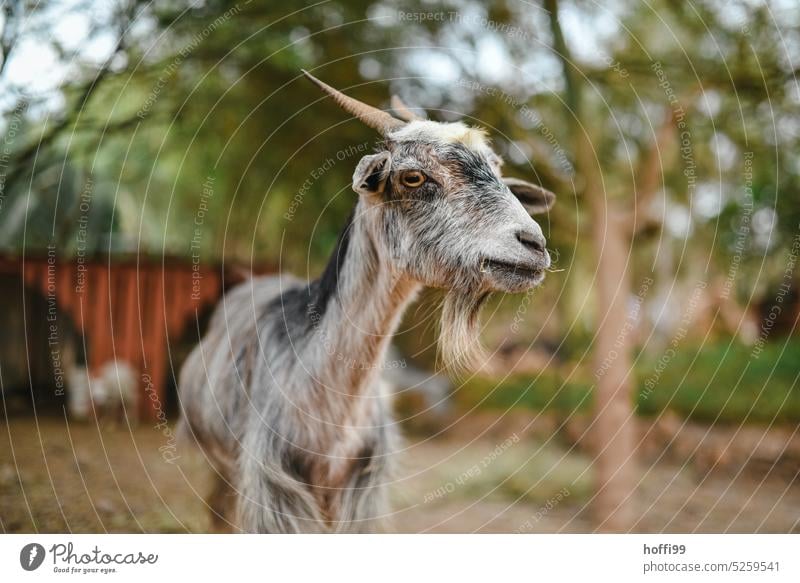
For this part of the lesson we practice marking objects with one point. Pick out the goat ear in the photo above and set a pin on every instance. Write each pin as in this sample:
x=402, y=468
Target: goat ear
x=371, y=174
x=535, y=199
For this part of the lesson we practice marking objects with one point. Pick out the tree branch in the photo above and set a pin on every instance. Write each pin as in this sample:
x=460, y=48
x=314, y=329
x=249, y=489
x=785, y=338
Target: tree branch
x=573, y=92
x=650, y=175
x=22, y=160
x=10, y=34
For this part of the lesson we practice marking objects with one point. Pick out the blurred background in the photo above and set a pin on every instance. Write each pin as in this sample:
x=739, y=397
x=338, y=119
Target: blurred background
x=155, y=153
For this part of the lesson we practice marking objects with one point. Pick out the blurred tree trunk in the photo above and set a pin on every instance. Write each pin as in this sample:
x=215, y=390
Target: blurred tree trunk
x=613, y=434
x=613, y=428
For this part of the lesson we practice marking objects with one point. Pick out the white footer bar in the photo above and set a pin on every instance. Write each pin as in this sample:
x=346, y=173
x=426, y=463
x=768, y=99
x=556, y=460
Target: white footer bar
x=401, y=558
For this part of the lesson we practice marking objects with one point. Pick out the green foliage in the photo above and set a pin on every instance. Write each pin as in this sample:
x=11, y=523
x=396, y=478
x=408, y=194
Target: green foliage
x=212, y=91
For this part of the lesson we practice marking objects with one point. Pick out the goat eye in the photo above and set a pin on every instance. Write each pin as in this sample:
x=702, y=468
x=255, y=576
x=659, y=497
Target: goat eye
x=412, y=179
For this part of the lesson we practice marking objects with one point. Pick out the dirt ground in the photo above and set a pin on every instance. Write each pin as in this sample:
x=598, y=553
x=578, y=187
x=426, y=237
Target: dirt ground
x=71, y=477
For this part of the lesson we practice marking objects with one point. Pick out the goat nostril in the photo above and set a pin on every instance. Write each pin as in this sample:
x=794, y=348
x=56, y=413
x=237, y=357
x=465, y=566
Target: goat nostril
x=531, y=241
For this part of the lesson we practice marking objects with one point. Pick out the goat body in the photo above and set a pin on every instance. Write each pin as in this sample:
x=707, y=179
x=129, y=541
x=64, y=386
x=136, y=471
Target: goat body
x=288, y=402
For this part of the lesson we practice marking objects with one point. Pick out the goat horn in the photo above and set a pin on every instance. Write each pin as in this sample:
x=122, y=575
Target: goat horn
x=402, y=110
x=372, y=116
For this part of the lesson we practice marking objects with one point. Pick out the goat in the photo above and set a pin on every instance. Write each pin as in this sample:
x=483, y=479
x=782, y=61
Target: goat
x=112, y=394
x=404, y=378
x=284, y=393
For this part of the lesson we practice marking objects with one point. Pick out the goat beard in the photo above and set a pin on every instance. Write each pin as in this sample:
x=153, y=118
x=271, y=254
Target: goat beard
x=460, y=348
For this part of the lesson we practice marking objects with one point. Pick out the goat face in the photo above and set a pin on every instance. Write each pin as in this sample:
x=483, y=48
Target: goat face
x=435, y=199
x=447, y=216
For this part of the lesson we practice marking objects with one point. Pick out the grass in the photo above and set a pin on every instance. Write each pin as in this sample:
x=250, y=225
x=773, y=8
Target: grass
x=721, y=381
x=545, y=392
x=727, y=383
x=525, y=470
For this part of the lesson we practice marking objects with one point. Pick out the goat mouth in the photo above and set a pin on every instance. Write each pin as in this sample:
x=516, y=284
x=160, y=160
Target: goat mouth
x=514, y=273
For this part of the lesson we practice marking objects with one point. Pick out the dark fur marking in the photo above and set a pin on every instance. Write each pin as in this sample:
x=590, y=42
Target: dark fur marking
x=292, y=320
x=472, y=166
x=298, y=466
x=324, y=288
x=303, y=307
x=373, y=181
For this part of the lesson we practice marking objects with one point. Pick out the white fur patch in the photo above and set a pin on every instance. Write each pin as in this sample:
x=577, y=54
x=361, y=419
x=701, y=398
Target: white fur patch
x=449, y=133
